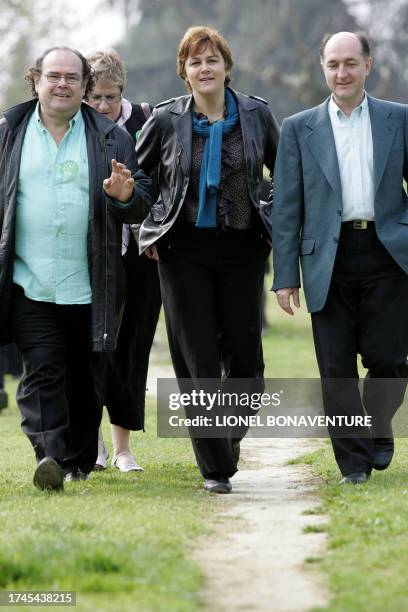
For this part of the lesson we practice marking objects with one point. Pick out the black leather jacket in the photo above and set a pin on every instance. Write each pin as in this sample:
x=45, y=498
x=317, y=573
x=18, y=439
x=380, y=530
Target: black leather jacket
x=166, y=142
x=105, y=141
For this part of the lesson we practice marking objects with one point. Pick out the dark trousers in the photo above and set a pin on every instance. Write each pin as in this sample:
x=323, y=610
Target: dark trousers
x=3, y=364
x=127, y=367
x=14, y=363
x=211, y=284
x=59, y=392
x=3, y=394
x=365, y=313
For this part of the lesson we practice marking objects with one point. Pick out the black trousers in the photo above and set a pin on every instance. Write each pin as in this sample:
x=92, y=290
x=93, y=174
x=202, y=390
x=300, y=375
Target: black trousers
x=3, y=364
x=211, y=284
x=59, y=392
x=127, y=367
x=365, y=313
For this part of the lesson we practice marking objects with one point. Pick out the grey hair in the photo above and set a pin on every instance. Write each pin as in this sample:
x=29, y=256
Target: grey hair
x=108, y=66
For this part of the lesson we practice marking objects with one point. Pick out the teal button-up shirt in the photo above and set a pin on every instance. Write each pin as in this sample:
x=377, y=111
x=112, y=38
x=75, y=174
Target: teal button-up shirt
x=51, y=261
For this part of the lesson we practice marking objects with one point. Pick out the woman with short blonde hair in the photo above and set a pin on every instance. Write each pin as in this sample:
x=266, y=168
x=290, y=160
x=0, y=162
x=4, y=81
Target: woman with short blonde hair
x=127, y=368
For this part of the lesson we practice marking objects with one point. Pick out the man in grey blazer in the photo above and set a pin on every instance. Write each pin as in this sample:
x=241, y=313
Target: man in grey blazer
x=340, y=211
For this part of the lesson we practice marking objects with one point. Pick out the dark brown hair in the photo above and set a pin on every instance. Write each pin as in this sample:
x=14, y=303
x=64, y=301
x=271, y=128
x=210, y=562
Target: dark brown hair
x=36, y=70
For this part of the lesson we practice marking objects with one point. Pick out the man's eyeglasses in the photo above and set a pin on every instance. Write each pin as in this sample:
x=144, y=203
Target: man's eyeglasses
x=109, y=99
x=55, y=77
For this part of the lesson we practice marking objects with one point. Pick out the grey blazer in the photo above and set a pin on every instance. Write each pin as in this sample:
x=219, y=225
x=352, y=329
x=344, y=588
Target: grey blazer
x=307, y=201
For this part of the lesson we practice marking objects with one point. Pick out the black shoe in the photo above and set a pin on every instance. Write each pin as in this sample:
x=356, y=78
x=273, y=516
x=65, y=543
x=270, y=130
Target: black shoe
x=220, y=484
x=3, y=399
x=49, y=475
x=355, y=478
x=383, y=453
x=75, y=476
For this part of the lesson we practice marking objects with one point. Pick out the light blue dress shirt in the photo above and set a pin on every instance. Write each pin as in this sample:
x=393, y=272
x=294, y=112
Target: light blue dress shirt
x=51, y=260
x=354, y=148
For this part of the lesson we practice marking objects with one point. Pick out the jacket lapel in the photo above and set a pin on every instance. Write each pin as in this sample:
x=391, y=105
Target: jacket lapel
x=246, y=119
x=321, y=143
x=181, y=112
x=383, y=131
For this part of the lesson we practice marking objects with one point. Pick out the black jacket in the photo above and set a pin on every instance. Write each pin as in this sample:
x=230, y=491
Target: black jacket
x=134, y=126
x=166, y=142
x=105, y=141
x=136, y=121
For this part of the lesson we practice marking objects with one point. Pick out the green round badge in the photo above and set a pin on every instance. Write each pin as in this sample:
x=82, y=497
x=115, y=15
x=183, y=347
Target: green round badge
x=69, y=168
x=137, y=134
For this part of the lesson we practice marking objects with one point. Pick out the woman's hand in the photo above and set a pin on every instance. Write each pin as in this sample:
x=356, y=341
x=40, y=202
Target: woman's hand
x=119, y=186
x=151, y=252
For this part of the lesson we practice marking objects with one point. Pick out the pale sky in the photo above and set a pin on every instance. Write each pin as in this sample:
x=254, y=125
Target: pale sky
x=88, y=27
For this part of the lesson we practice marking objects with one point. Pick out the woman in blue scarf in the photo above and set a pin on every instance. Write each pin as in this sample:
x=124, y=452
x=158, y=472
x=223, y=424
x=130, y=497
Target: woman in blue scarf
x=209, y=231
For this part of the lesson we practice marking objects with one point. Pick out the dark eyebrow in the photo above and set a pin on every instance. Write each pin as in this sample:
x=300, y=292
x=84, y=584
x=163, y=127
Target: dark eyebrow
x=67, y=73
x=348, y=59
x=196, y=56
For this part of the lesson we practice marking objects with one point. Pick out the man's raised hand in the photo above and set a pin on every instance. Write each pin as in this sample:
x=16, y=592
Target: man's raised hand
x=119, y=186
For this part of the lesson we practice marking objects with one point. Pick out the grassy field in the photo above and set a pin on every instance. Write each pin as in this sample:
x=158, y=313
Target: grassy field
x=367, y=536
x=288, y=343
x=368, y=526
x=122, y=541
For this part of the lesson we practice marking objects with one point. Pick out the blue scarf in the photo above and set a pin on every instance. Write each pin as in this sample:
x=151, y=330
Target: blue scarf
x=210, y=174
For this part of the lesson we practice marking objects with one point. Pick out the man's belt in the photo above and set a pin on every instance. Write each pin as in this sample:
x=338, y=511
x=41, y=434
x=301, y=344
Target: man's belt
x=358, y=224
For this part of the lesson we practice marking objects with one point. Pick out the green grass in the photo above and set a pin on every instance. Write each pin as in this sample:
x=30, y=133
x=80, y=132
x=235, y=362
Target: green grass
x=288, y=343
x=367, y=535
x=121, y=541
x=367, y=555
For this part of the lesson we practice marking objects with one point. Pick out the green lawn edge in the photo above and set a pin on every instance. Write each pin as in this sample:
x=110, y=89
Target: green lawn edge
x=367, y=533
x=125, y=542
x=367, y=528
x=120, y=541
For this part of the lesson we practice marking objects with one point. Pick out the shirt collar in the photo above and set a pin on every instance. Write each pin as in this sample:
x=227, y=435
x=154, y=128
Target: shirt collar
x=126, y=111
x=74, y=121
x=337, y=114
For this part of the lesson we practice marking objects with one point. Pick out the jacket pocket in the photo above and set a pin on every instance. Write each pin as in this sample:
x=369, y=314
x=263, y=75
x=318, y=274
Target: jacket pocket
x=404, y=218
x=307, y=246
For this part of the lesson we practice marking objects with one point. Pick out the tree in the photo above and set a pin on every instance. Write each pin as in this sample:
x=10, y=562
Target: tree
x=386, y=23
x=275, y=46
x=25, y=26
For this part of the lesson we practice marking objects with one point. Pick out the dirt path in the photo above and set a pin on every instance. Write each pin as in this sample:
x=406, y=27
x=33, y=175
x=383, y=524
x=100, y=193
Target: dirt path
x=255, y=561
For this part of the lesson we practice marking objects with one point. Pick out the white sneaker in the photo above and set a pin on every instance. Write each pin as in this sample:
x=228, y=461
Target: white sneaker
x=125, y=462
x=103, y=454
